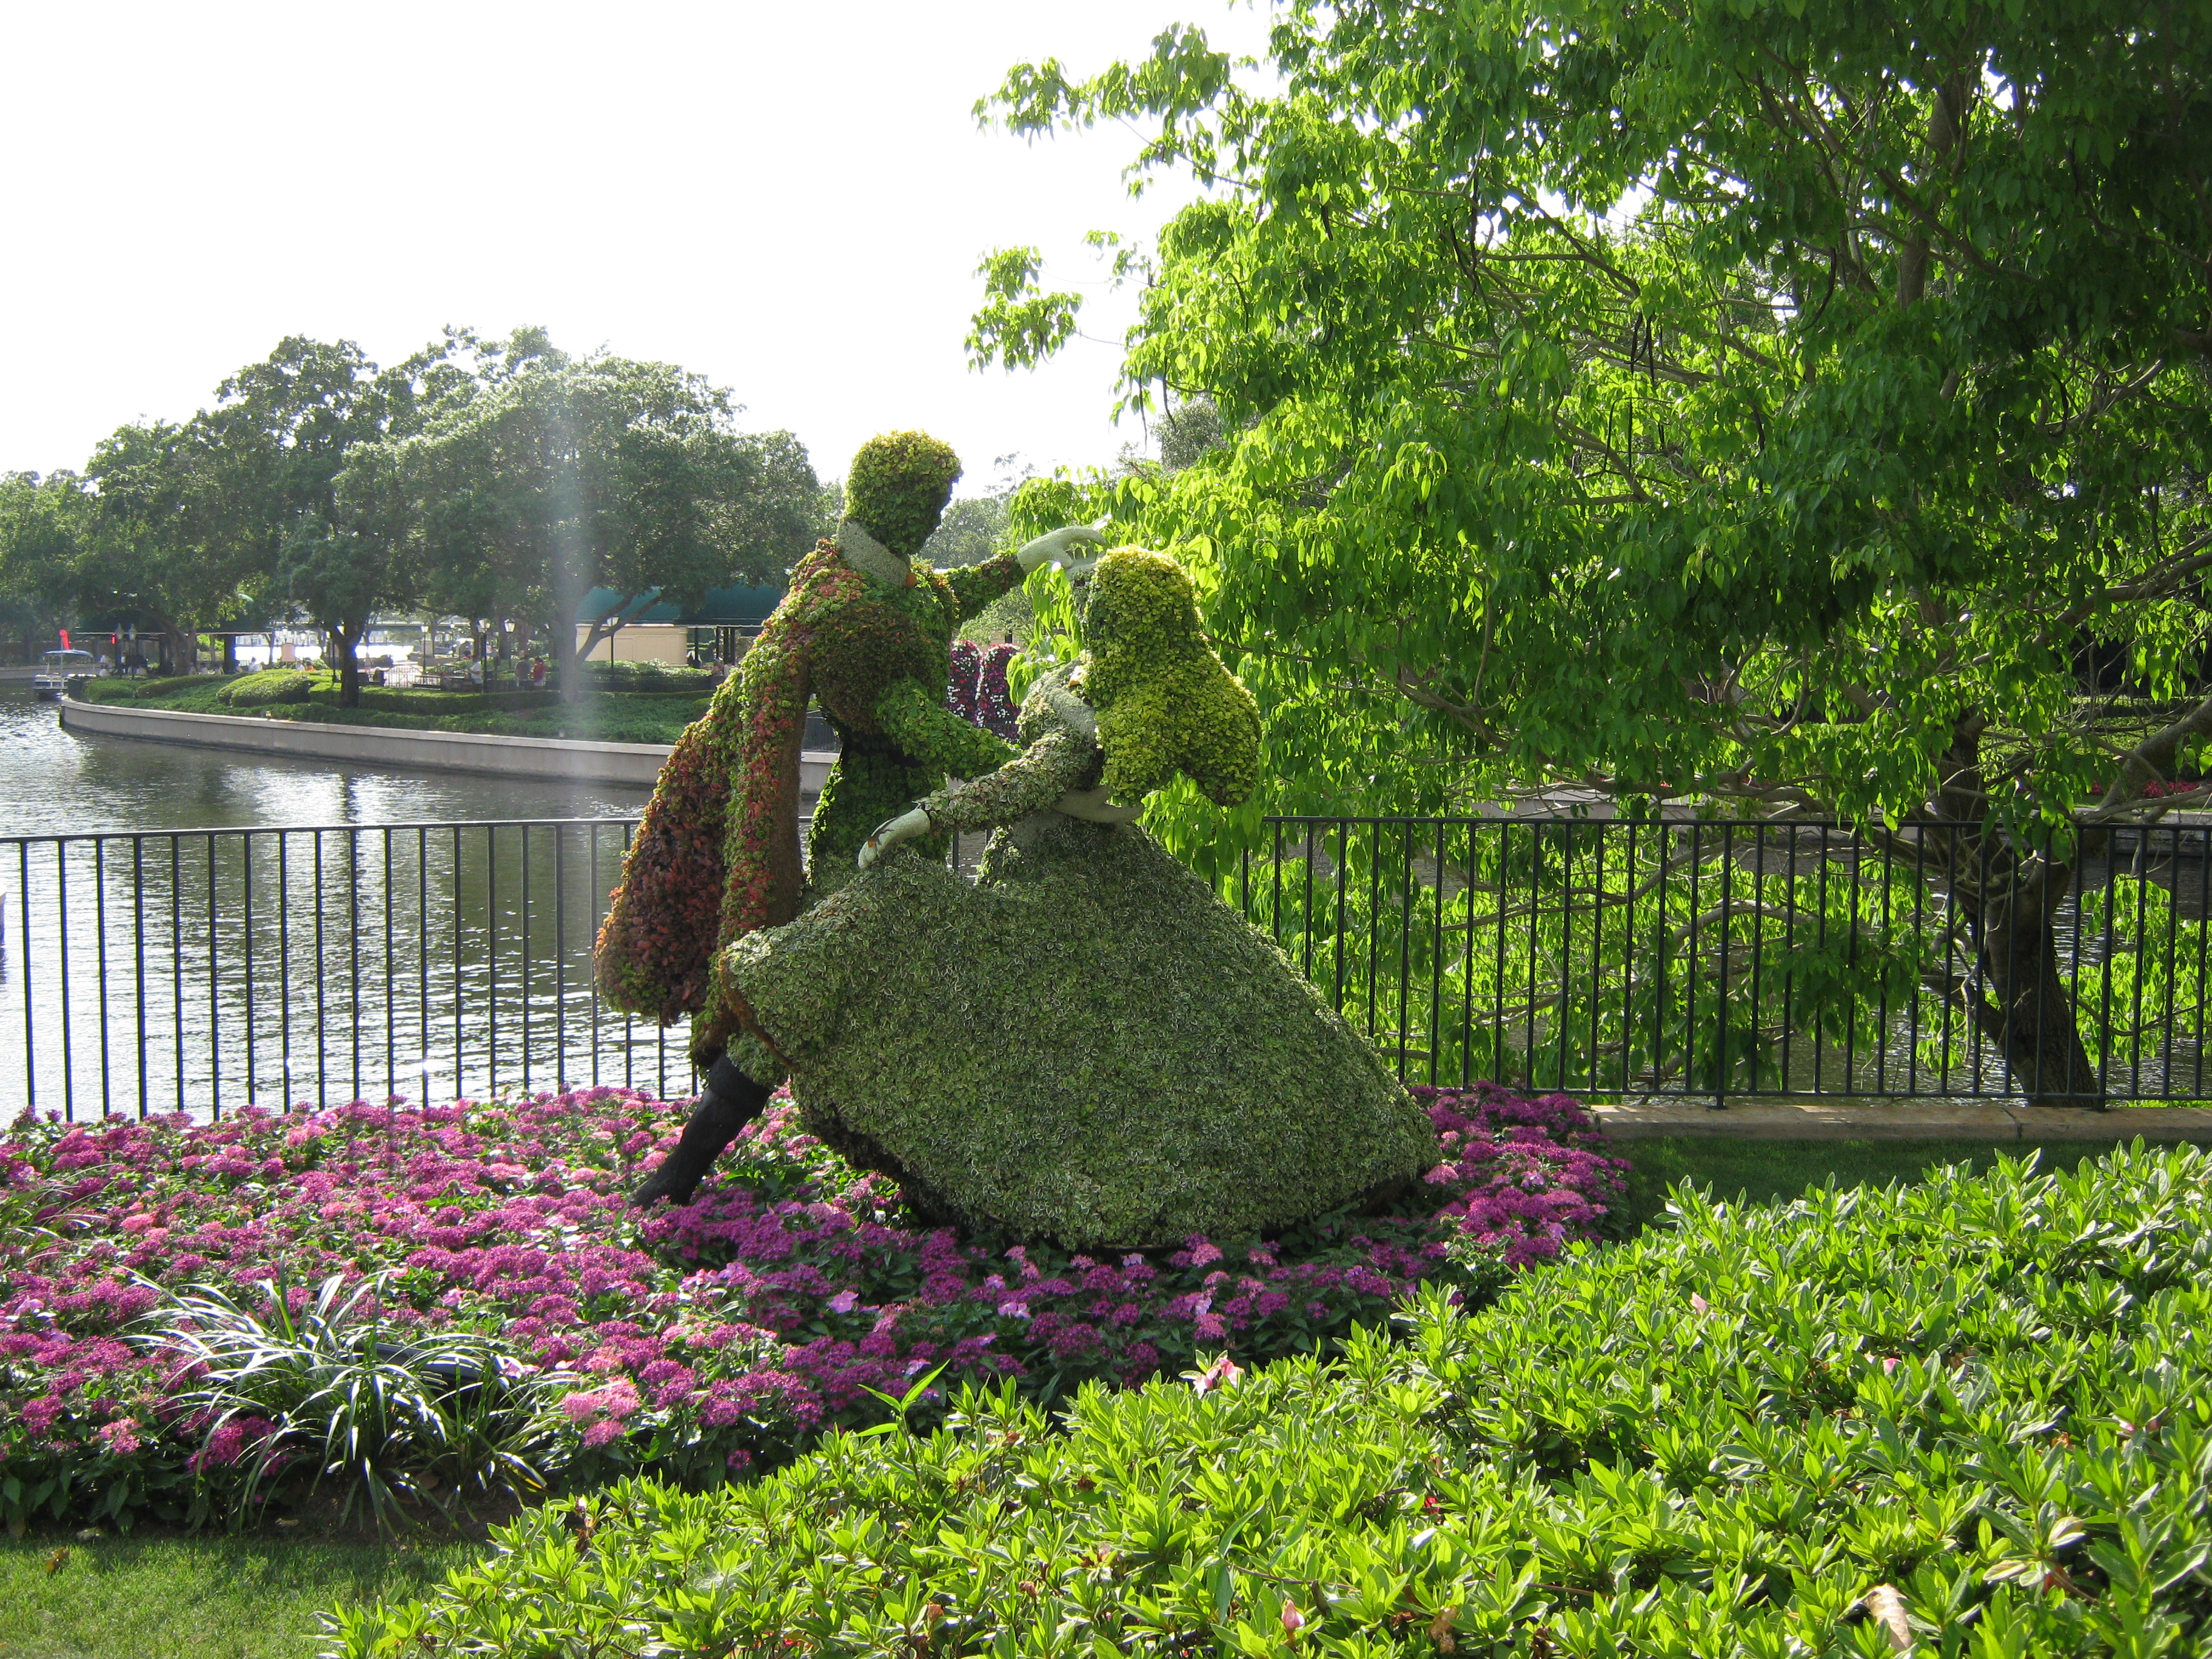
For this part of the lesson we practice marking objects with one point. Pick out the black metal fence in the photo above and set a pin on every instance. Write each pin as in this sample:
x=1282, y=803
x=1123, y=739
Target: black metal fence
x=1619, y=957
x=201, y=970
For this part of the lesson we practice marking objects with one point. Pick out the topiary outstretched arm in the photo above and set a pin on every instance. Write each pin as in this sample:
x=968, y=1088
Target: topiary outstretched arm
x=917, y=720
x=1048, y=769
x=975, y=586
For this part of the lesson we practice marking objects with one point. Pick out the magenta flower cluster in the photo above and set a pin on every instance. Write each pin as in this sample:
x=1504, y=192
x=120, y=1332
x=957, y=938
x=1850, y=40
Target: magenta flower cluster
x=977, y=691
x=689, y=1340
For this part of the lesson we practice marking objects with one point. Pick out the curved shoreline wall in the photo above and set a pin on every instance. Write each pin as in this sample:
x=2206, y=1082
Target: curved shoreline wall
x=634, y=764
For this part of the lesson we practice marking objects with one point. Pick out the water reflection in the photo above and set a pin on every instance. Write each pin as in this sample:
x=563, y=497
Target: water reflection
x=143, y=971
x=57, y=782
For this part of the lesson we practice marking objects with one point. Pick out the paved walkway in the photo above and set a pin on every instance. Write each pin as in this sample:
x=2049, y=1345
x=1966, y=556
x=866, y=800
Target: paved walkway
x=1948, y=1119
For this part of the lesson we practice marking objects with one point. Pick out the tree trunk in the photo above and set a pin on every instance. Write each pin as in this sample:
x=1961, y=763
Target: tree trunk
x=570, y=589
x=179, y=649
x=342, y=642
x=2020, y=1000
x=562, y=650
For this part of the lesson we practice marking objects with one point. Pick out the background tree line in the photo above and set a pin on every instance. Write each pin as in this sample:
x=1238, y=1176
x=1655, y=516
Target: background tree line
x=498, y=480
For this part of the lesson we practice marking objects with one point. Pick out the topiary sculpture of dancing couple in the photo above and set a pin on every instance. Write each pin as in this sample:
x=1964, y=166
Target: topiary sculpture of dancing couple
x=1084, y=1045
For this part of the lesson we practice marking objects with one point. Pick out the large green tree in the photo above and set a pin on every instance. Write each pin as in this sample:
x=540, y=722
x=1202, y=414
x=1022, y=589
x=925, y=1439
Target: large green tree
x=148, y=547
x=550, y=477
x=1750, y=402
x=279, y=440
x=38, y=541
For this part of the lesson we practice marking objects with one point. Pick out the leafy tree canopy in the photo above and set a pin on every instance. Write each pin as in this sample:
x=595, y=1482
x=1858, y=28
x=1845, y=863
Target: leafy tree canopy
x=1718, y=399
x=547, y=476
x=279, y=442
x=1751, y=402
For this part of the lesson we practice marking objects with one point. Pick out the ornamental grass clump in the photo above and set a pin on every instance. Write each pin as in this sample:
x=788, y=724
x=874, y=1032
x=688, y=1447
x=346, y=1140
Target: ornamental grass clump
x=1972, y=1416
x=308, y=1387
x=720, y=1336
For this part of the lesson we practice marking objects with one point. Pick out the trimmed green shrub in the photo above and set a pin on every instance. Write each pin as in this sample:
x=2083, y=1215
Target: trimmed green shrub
x=271, y=685
x=198, y=694
x=1973, y=1415
x=648, y=676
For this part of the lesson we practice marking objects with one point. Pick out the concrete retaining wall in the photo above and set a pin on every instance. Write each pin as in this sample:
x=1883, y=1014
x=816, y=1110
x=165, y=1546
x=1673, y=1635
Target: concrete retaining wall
x=635, y=764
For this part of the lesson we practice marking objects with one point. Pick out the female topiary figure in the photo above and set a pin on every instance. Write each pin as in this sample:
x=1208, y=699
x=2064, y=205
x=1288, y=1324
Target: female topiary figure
x=864, y=631
x=1087, y=1046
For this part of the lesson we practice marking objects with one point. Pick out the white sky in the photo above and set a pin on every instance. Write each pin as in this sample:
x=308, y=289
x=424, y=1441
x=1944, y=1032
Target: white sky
x=789, y=199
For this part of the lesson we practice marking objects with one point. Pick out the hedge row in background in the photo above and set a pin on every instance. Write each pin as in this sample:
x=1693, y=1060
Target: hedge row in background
x=1974, y=1416
x=651, y=676
x=270, y=685
x=435, y=704
x=600, y=719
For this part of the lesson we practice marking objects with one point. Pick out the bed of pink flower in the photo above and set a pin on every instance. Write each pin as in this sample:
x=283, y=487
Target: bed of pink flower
x=689, y=1342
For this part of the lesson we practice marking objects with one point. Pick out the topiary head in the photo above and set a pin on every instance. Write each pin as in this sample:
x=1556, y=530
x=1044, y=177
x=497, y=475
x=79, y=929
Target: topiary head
x=1165, y=701
x=899, y=486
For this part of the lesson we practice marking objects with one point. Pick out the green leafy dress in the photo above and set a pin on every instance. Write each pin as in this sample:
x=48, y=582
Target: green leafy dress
x=1086, y=1045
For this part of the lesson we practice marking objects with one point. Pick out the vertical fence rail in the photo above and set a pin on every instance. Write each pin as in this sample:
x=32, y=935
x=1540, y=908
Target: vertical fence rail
x=1711, y=960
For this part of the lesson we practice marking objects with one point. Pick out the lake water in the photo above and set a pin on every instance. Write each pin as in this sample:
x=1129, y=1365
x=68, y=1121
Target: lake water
x=57, y=782
x=339, y=959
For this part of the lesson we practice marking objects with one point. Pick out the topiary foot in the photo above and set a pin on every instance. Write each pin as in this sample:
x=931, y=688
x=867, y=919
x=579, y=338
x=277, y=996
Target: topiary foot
x=731, y=1100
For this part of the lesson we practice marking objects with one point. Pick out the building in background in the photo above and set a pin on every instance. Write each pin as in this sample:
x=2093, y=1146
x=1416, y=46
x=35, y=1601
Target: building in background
x=716, y=630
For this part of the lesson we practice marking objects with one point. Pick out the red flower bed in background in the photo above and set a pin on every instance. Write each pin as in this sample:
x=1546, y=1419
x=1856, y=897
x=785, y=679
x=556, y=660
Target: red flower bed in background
x=690, y=1340
x=976, y=688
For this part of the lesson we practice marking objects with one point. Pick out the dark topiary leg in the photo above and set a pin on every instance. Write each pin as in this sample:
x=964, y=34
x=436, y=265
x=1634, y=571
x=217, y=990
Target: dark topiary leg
x=730, y=1101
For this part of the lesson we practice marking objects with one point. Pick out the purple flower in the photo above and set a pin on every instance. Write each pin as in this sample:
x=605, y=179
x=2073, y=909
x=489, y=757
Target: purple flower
x=509, y=1215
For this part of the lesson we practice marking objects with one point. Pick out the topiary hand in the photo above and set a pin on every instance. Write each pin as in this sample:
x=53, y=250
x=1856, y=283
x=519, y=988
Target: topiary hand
x=1092, y=807
x=910, y=825
x=1058, y=547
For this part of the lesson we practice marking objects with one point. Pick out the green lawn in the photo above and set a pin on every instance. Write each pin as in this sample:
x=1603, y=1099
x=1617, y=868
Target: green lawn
x=619, y=711
x=193, y=1598
x=1763, y=1171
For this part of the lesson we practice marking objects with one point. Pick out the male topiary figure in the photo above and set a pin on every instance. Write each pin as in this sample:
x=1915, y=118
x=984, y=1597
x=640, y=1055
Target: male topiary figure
x=865, y=631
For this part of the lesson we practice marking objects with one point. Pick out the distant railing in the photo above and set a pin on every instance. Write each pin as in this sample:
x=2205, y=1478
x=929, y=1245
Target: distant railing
x=201, y=970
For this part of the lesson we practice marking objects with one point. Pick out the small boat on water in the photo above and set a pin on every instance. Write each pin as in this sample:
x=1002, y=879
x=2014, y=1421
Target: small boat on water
x=57, y=669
